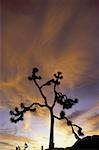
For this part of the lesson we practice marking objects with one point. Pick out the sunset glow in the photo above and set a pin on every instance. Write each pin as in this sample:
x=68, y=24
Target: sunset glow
x=52, y=35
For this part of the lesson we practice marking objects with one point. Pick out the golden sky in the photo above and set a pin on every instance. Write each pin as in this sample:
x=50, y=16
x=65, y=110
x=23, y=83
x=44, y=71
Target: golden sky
x=55, y=36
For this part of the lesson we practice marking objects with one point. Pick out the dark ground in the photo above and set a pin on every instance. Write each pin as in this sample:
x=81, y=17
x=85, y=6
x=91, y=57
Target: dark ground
x=87, y=143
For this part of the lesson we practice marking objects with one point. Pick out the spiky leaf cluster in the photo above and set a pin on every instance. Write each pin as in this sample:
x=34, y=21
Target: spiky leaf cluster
x=67, y=103
x=34, y=75
x=17, y=115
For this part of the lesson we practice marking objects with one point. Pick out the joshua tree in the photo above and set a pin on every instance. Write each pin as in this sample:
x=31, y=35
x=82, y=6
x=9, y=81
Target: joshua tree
x=25, y=147
x=59, y=98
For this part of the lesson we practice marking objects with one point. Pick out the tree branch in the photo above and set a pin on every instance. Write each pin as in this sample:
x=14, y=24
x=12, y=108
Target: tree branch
x=69, y=123
x=35, y=77
x=18, y=115
x=75, y=134
x=55, y=96
x=59, y=118
x=40, y=89
x=41, y=105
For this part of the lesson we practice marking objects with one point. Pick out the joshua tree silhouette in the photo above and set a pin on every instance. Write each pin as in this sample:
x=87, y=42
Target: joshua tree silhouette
x=25, y=147
x=59, y=98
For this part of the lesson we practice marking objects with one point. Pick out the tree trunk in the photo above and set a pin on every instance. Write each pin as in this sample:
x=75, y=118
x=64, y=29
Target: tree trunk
x=51, y=142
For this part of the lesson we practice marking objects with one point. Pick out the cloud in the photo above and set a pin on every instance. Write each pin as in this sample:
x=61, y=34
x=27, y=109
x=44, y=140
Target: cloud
x=54, y=36
x=93, y=120
x=13, y=141
x=75, y=114
x=28, y=41
x=27, y=121
x=7, y=144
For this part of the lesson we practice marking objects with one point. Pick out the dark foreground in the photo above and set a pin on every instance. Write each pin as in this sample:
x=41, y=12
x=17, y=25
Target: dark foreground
x=87, y=143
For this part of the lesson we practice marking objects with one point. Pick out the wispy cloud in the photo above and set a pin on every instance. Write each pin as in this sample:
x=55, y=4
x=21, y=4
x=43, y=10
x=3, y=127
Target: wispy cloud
x=54, y=36
x=12, y=141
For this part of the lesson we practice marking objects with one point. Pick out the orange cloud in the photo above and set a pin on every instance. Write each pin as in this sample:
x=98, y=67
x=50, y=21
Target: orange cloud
x=14, y=141
x=54, y=37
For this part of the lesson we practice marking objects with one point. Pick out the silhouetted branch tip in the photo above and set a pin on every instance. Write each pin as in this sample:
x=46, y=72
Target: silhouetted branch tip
x=80, y=132
x=69, y=123
x=76, y=100
x=35, y=70
x=34, y=75
x=11, y=112
x=62, y=114
x=16, y=109
x=32, y=110
x=25, y=147
x=22, y=105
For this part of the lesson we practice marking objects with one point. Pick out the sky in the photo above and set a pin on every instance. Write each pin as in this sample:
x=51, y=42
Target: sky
x=52, y=35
